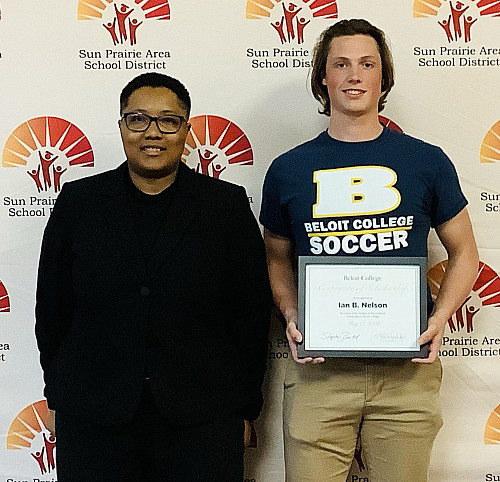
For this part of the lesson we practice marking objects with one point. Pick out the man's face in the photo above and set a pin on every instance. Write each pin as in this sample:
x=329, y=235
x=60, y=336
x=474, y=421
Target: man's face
x=354, y=75
x=152, y=154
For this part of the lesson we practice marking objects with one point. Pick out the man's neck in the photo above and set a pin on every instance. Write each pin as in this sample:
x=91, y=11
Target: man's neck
x=349, y=128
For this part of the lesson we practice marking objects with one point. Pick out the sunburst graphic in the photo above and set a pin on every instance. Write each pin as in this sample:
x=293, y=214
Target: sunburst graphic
x=46, y=147
x=490, y=147
x=485, y=292
x=30, y=422
x=94, y=9
x=389, y=123
x=430, y=8
x=319, y=8
x=121, y=19
x=215, y=144
x=456, y=17
x=290, y=18
x=4, y=299
x=492, y=429
x=30, y=431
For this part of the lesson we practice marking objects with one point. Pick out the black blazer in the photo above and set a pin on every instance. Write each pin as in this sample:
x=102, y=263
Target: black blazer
x=200, y=314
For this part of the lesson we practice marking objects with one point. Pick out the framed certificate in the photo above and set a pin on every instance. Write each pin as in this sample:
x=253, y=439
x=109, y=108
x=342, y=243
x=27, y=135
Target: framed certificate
x=362, y=306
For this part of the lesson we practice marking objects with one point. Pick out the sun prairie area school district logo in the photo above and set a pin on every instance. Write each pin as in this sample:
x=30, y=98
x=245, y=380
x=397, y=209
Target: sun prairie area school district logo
x=215, y=144
x=29, y=433
x=45, y=147
x=290, y=18
x=122, y=18
x=456, y=17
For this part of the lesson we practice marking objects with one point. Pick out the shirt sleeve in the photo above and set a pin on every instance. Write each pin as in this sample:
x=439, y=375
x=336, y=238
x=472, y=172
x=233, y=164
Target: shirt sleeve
x=448, y=199
x=274, y=214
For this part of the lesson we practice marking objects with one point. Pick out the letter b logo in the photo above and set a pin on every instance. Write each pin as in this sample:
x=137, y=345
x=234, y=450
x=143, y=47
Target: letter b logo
x=355, y=191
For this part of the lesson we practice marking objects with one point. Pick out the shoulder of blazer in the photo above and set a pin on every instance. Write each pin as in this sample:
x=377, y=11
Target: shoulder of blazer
x=105, y=183
x=202, y=184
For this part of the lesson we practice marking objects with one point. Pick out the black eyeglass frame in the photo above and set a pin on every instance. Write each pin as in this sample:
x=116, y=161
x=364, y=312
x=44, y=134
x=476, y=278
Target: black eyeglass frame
x=151, y=119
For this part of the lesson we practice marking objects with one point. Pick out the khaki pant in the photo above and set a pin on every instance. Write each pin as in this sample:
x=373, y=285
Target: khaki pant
x=393, y=404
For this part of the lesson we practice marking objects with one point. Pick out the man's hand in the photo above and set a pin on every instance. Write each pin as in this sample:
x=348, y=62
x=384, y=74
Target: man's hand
x=295, y=336
x=434, y=336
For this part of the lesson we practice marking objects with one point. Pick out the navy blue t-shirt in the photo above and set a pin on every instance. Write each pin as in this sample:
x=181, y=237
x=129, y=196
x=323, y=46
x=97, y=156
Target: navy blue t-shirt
x=378, y=197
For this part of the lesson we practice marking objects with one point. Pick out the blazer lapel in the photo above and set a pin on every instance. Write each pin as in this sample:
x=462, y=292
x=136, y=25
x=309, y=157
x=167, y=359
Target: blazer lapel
x=116, y=214
x=185, y=206
x=181, y=212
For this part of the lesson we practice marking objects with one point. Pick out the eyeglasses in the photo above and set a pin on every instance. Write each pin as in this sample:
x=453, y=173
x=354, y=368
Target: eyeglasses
x=139, y=122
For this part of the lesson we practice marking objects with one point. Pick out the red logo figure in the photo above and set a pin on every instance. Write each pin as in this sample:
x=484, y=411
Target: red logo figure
x=50, y=445
x=45, y=456
x=215, y=144
x=45, y=162
x=38, y=456
x=447, y=28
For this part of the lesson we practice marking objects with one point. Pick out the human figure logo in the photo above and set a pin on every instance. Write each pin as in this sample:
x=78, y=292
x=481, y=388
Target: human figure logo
x=121, y=19
x=215, y=144
x=29, y=432
x=46, y=147
x=4, y=299
x=485, y=292
x=456, y=17
x=289, y=19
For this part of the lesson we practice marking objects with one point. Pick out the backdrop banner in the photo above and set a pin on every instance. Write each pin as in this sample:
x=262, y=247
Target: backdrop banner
x=246, y=64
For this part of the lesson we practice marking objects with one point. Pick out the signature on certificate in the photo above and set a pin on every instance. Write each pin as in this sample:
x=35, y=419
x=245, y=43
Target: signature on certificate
x=391, y=338
x=344, y=336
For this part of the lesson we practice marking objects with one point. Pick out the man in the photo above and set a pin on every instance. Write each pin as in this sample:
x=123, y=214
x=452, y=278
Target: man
x=392, y=403
x=152, y=308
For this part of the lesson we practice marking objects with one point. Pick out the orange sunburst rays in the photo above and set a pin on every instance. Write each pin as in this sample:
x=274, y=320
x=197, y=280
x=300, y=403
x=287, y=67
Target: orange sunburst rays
x=487, y=285
x=257, y=9
x=4, y=299
x=94, y=9
x=47, y=132
x=429, y=8
x=490, y=147
x=27, y=425
x=221, y=134
x=492, y=429
x=485, y=292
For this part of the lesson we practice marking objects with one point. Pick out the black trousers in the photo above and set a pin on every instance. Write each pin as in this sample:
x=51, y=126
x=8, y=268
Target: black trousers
x=148, y=448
